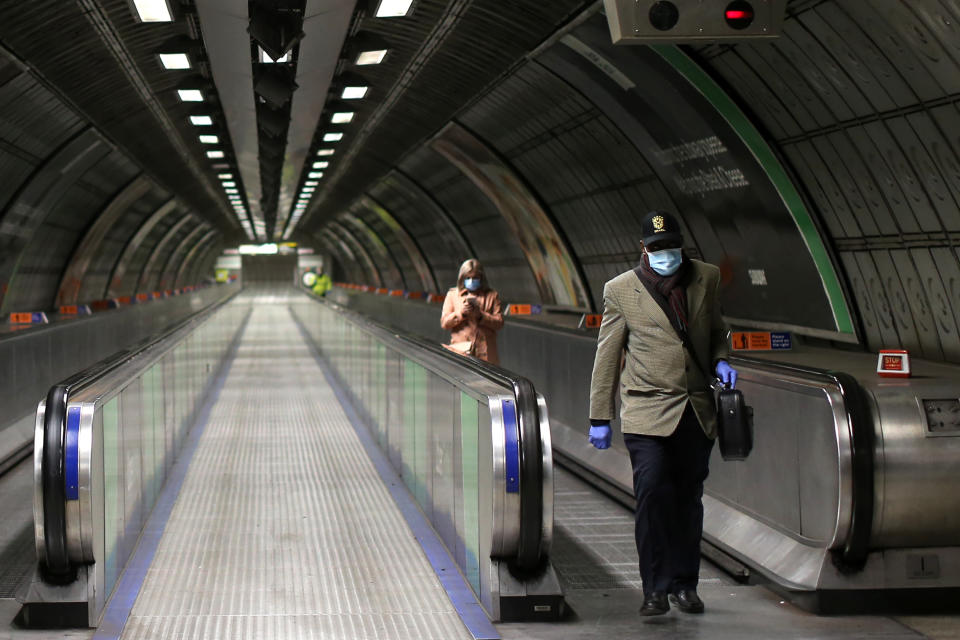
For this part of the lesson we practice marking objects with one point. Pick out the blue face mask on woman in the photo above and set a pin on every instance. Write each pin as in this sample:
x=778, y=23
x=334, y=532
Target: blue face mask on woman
x=472, y=284
x=665, y=262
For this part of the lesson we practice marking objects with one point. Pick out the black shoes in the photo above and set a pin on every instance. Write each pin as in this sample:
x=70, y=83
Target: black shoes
x=655, y=604
x=686, y=600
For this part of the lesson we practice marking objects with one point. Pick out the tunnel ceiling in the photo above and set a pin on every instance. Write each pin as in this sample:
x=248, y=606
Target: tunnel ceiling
x=850, y=117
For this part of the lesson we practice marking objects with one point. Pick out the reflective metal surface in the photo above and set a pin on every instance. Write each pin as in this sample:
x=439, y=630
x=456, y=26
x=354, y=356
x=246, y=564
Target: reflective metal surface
x=123, y=448
x=786, y=510
x=442, y=424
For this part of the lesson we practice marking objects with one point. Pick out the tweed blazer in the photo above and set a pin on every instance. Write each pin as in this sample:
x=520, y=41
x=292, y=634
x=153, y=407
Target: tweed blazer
x=659, y=376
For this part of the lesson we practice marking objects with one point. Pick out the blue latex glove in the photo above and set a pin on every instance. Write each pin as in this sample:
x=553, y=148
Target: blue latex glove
x=727, y=374
x=600, y=436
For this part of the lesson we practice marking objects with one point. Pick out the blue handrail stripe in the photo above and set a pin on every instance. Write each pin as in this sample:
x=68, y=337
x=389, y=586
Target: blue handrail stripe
x=72, y=454
x=512, y=442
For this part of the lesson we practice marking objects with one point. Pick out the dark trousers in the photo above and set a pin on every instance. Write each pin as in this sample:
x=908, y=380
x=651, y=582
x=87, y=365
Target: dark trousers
x=668, y=475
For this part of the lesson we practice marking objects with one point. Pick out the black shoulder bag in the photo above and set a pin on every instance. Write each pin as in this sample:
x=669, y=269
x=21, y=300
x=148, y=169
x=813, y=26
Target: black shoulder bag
x=734, y=417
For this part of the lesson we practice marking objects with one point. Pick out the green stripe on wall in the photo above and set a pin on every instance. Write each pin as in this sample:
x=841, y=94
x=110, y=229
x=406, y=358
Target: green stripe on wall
x=774, y=170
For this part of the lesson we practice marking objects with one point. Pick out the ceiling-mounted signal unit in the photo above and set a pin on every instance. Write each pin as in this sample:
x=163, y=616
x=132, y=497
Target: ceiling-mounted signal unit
x=687, y=21
x=276, y=27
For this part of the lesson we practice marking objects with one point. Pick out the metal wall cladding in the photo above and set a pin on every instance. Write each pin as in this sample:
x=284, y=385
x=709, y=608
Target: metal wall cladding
x=60, y=41
x=468, y=45
x=506, y=267
x=35, y=282
x=128, y=285
x=111, y=247
x=592, y=180
x=395, y=250
x=443, y=243
x=375, y=244
x=167, y=253
x=861, y=100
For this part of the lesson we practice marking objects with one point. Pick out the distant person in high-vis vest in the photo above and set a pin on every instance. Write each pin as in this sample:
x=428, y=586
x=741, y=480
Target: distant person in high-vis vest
x=663, y=318
x=472, y=314
x=322, y=285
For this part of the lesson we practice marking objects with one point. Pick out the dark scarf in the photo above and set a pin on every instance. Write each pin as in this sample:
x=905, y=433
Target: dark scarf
x=670, y=292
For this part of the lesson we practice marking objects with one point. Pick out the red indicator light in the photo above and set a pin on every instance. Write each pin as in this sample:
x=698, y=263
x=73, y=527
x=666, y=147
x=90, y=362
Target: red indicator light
x=739, y=14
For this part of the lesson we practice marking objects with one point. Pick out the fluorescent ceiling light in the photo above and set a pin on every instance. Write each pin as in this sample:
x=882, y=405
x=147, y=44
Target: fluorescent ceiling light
x=214, y=154
x=201, y=121
x=341, y=117
x=332, y=137
x=307, y=191
x=371, y=57
x=225, y=176
x=174, y=61
x=153, y=10
x=310, y=183
x=255, y=249
x=190, y=95
x=209, y=139
x=393, y=8
x=354, y=93
x=266, y=59
x=229, y=183
x=315, y=175
x=325, y=152
x=235, y=191
x=323, y=164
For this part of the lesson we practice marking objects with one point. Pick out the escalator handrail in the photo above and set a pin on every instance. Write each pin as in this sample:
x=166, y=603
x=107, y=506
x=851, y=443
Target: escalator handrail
x=530, y=543
x=53, y=459
x=855, y=549
x=52, y=470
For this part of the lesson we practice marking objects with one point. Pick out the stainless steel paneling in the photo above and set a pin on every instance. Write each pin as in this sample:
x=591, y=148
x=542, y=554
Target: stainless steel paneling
x=443, y=400
x=849, y=175
x=919, y=304
x=33, y=360
x=899, y=301
x=824, y=71
x=880, y=300
x=860, y=288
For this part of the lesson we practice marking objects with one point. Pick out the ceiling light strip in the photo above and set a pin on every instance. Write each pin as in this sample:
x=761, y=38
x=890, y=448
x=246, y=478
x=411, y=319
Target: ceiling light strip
x=96, y=16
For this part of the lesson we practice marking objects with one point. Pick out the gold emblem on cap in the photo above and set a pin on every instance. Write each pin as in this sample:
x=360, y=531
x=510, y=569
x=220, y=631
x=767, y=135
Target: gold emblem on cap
x=658, y=223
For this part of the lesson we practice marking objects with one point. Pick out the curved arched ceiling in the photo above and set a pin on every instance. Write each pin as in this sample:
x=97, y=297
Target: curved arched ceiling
x=819, y=170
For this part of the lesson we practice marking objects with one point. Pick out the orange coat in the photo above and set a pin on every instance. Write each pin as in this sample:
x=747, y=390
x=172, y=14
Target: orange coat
x=482, y=330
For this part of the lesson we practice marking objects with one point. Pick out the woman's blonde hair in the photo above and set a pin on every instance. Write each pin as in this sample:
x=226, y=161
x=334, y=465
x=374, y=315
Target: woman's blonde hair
x=471, y=265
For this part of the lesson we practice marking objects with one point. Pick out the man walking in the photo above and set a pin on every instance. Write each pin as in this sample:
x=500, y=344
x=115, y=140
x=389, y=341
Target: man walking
x=664, y=317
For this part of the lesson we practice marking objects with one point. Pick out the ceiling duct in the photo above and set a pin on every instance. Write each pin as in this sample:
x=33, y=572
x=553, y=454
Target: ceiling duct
x=271, y=121
x=276, y=25
x=274, y=83
x=272, y=149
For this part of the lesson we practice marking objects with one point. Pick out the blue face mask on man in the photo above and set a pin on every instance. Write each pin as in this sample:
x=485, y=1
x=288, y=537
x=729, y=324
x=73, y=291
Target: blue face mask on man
x=665, y=262
x=472, y=284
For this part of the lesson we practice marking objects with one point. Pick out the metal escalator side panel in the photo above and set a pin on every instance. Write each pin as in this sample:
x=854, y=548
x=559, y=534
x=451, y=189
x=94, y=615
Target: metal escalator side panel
x=81, y=522
x=546, y=446
x=39, y=537
x=857, y=542
x=505, y=530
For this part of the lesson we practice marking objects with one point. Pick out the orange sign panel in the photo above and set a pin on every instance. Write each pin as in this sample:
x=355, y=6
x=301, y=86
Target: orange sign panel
x=69, y=310
x=520, y=309
x=592, y=320
x=751, y=340
x=21, y=318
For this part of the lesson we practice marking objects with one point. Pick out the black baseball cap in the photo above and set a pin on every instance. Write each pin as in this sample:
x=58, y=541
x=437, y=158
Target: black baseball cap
x=660, y=226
